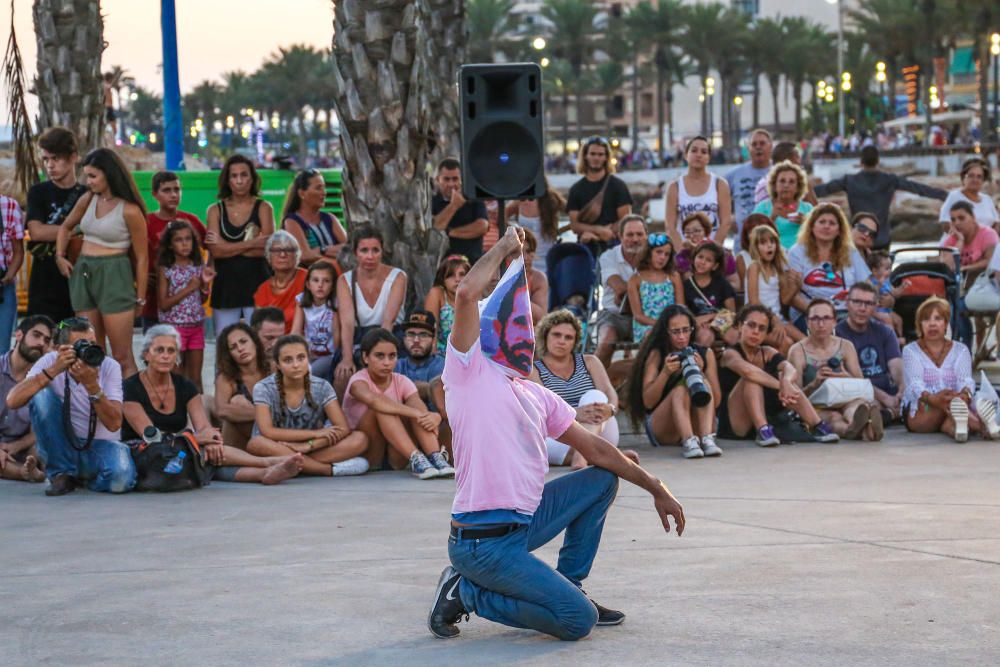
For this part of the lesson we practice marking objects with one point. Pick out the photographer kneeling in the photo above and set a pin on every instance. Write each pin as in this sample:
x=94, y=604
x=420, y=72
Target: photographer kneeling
x=674, y=387
x=82, y=442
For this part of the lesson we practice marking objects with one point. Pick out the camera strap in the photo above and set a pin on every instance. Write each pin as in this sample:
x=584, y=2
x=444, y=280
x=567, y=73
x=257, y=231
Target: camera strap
x=68, y=421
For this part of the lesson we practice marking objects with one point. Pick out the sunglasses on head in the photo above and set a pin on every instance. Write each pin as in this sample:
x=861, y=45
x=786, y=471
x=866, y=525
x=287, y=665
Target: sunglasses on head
x=657, y=240
x=596, y=139
x=72, y=322
x=456, y=258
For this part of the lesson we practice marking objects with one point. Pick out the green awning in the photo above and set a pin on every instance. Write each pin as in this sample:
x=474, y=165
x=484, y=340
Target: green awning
x=963, y=62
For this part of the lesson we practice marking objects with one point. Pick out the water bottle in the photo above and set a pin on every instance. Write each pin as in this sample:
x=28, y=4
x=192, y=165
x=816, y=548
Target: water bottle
x=176, y=464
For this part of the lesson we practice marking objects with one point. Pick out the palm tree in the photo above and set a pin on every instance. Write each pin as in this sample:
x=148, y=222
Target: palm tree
x=572, y=36
x=731, y=63
x=146, y=111
x=557, y=81
x=608, y=79
x=807, y=47
x=700, y=42
x=70, y=37
x=660, y=25
x=22, y=139
x=382, y=131
x=491, y=29
x=443, y=52
x=292, y=73
x=769, y=36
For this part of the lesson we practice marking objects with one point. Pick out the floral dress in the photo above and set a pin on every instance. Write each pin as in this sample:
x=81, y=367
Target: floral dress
x=189, y=311
x=446, y=319
x=654, y=298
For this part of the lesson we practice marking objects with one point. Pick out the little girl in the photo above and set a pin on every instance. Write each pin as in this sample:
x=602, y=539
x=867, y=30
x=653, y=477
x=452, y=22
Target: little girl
x=386, y=407
x=655, y=285
x=697, y=229
x=440, y=299
x=316, y=318
x=710, y=296
x=881, y=265
x=764, y=281
x=181, y=288
x=298, y=413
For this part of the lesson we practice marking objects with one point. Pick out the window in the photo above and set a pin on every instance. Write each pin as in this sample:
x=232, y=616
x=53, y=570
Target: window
x=646, y=104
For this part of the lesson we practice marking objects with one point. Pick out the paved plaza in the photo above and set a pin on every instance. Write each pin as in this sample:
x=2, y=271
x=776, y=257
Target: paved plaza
x=852, y=554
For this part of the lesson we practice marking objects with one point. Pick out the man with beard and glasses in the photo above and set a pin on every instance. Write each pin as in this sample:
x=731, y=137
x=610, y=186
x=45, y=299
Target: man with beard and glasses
x=599, y=199
x=17, y=441
x=503, y=508
x=423, y=365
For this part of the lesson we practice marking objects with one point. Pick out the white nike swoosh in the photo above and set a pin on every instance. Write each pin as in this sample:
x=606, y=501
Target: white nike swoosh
x=449, y=595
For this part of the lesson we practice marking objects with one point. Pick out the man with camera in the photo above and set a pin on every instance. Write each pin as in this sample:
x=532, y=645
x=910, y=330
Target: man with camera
x=75, y=397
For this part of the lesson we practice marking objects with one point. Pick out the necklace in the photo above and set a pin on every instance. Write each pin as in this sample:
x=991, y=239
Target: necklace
x=161, y=396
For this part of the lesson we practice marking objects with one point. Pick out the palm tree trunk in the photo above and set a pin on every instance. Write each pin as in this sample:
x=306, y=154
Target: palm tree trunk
x=890, y=65
x=565, y=121
x=382, y=132
x=797, y=96
x=756, y=99
x=702, y=75
x=670, y=110
x=70, y=37
x=660, y=103
x=774, y=98
x=982, y=56
x=303, y=139
x=443, y=38
x=635, y=99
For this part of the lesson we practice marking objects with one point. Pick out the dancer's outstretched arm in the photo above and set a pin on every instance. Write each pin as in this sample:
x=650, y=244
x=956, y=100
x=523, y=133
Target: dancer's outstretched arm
x=465, y=330
x=601, y=453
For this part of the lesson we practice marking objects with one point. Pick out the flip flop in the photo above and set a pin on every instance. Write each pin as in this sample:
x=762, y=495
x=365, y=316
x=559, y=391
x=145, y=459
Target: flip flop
x=858, y=422
x=960, y=413
x=988, y=414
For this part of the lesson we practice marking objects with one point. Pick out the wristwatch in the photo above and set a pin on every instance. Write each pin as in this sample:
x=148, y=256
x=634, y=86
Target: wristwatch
x=95, y=398
x=141, y=301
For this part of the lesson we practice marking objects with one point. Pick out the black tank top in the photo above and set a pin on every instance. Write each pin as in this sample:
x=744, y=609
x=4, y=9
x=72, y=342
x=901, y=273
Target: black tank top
x=237, y=277
x=728, y=378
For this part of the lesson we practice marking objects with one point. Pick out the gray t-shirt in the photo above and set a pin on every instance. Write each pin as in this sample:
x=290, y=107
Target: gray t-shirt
x=303, y=417
x=742, y=183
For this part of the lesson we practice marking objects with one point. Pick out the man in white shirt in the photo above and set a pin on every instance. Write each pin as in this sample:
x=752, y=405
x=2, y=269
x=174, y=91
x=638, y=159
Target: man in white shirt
x=617, y=266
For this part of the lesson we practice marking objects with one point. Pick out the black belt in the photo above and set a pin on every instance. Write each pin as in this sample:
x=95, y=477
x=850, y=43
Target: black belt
x=483, y=533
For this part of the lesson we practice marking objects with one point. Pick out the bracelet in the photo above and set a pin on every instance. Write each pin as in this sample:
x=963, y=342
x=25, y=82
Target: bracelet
x=309, y=444
x=45, y=372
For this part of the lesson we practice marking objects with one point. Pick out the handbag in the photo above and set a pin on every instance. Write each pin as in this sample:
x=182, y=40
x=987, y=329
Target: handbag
x=983, y=295
x=837, y=392
x=591, y=213
x=151, y=459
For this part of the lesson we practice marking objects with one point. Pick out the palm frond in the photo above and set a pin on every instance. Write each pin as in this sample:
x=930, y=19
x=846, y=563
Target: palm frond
x=25, y=161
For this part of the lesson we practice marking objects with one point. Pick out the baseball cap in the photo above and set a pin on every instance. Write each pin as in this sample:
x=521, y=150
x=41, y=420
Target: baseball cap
x=420, y=319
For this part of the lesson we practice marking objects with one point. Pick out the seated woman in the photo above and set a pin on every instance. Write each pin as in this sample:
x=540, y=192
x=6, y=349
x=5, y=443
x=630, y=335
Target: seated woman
x=758, y=385
x=578, y=379
x=937, y=380
x=822, y=355
x=386, y=407
x=241, y=364
x=157, y=396
x=298, y=413
x=287, y=279
x=658, y=394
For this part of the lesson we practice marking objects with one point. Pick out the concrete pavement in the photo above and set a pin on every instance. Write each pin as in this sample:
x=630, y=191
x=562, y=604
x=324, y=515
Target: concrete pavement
x=806, y=554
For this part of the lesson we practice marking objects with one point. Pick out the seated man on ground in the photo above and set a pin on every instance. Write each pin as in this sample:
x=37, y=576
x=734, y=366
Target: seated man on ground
x=617, y=266
x=423, y=365
x=269, y=323
x=157, y=396
x=82, y=444
x=877, y=347
x=17, y=441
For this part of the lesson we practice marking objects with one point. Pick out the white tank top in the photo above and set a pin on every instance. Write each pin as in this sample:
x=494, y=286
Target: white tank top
x=707, y=203
x=318, y=328
x=770, y=292
x=369, y=316
x=110, y=230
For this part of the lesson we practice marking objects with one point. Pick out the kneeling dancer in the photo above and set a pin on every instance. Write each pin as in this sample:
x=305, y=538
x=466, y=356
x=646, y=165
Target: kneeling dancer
x=503, y=509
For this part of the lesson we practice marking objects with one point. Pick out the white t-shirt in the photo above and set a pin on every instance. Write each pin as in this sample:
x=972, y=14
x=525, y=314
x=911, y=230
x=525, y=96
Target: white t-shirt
x=613, y=263
x=984, y=210
x=821, y=281
x=109, y=377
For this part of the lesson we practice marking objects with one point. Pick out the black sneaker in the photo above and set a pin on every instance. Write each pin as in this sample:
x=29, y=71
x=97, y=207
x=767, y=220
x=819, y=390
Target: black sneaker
x=60, y=485
x=447, y=609
x=607, y=616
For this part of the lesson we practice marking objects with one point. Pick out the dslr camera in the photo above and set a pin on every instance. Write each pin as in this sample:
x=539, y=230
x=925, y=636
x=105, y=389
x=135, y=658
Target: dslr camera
x=88, y=352
x=693, y=378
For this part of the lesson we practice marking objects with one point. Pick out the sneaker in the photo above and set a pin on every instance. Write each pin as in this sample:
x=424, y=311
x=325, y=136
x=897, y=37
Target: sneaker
x=690, y=448
x=447, y=609
x=356, y=466
x=607, y=616
x=823, y=433
x=766, y=436
x=421, y=467
x=60, y=485
x=987, y=411
x=709, y=446
x=960, y=413
x=440, y=461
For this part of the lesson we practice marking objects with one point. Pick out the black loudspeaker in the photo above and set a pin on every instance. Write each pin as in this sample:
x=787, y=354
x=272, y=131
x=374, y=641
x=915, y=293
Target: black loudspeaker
x=503, y=143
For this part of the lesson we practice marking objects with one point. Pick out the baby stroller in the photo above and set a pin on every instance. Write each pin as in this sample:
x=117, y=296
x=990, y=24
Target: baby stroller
x=572, y=273
x=927, y=275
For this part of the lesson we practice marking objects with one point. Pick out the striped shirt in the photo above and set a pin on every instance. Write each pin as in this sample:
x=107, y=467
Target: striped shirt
x=571, y=390
x=12, y=231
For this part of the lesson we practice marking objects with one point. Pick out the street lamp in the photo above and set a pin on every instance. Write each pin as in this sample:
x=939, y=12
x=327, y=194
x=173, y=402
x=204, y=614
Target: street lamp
x=538, y=43
x=880, y=76
x=545, y=62
x=995, y=50
x=738, y=103
x=709, y=92
x=840, y=60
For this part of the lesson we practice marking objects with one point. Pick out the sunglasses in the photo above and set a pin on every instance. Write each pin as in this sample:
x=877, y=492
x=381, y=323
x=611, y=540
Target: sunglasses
x=830, y=273
x=657, y=240
x=72, y=322
x=596, y=139
x=865, y=230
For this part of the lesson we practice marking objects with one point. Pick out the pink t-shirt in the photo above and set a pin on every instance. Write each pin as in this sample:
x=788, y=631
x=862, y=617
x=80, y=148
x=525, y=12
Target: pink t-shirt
x=499, y=426
x=400, y=389
x=973, y=252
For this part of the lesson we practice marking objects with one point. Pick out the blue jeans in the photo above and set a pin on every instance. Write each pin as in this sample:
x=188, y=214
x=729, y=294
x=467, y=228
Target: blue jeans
x=501, y=580
x=107, y=464
x=8, y=316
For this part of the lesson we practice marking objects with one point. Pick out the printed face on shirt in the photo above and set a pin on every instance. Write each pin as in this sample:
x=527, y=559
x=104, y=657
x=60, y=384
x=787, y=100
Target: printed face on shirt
x=505, y=329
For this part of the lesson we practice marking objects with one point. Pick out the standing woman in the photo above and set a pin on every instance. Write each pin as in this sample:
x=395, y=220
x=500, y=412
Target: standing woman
x=699, y=190
x=320, y=234
x=11, y=257
x=369, y=296
x=238, y=227
x=102, y=285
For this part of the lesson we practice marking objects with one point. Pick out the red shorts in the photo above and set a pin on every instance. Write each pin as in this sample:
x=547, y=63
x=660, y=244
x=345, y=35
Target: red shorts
x=192, y=337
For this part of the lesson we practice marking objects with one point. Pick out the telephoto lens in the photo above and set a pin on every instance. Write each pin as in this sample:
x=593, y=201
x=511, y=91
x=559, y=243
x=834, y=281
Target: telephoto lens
x=693, y=378
x=89, y=353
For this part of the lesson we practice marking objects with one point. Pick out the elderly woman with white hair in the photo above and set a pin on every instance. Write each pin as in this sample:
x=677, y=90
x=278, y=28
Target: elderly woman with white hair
x=787, y=186
x=159, y=396
x=287, y=279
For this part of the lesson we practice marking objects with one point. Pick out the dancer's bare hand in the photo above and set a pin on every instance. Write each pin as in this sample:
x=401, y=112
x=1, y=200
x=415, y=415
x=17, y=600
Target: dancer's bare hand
x=667, y=506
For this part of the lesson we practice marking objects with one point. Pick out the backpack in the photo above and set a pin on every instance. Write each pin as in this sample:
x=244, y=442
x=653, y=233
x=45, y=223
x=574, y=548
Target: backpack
x=151, y=458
